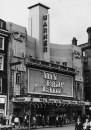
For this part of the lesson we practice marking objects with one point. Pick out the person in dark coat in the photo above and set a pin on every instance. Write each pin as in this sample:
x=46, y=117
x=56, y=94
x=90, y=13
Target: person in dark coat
x=78, y=125
x=60, y=120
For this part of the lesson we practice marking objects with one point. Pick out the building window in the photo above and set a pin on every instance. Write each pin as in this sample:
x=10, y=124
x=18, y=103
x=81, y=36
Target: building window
x=2, y=24
x=1, y=43
x=64, y=63
x=78, y=86
x=57, y=62
x=52, y=61
x=1, y=62
x=18, y=78
x=0, y=85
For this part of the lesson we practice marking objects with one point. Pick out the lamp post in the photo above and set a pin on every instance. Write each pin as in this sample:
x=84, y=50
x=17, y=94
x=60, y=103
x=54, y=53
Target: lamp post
x=30, y=115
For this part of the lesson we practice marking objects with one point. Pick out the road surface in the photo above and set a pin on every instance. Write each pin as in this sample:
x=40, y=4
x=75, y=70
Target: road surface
x=58, y=128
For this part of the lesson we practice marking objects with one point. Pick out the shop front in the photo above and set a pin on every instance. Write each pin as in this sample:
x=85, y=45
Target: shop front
x=88, y=108
x=48, y=107
x=3, y=105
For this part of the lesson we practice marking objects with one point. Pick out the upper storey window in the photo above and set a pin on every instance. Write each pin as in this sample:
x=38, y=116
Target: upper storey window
x=0, y=85
x=64, y=63
x=2, y=24
x=1, y=62
x=1, y=43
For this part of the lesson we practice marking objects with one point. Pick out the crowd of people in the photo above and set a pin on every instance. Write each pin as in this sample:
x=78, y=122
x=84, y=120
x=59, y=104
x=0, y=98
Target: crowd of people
x=45, y=120
x=83, y=123
x=35, y=120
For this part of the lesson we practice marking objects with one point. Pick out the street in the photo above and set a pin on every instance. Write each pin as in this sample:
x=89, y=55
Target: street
x=58, y=128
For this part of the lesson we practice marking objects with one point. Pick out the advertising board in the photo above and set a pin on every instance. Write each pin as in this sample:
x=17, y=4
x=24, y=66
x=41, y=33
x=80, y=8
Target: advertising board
x=49, y=83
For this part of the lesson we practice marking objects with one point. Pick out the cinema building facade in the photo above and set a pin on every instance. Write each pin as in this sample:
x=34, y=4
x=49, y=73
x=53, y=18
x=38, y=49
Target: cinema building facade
x=35, y=81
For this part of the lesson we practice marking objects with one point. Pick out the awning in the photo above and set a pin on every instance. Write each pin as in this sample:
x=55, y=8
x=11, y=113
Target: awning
x=47, y=100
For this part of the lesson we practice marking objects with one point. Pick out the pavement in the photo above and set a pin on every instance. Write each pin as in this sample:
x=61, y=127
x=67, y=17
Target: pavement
x=64, y=127
x=59, y=128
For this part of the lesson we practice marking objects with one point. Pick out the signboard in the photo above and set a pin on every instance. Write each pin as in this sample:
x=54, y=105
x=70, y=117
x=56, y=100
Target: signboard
x=20, y=67
x=2, y=100
x=21, y=99
x=50, y=83
x=45, y=33
x=47, y=100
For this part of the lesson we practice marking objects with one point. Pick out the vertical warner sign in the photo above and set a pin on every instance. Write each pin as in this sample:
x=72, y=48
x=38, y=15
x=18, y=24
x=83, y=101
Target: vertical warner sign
x=45, y=32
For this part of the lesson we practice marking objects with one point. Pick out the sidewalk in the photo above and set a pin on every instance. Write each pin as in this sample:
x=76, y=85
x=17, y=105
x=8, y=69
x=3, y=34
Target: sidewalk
x=40, y=127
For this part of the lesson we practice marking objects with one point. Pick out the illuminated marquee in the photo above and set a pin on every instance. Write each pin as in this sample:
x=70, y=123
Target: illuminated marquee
x=45, y=32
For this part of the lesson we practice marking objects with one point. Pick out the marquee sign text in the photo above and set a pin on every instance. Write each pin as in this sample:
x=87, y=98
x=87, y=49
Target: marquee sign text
x=52, y=83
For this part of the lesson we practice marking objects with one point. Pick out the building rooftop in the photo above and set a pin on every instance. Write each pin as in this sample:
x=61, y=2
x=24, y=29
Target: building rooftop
x=39, y=4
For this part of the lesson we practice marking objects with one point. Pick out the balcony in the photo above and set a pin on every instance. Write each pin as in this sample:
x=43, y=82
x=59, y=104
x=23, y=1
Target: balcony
x=48, y=65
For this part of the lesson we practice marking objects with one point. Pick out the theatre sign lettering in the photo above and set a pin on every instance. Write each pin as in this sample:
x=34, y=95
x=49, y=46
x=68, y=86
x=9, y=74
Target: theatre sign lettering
x=50, y=83
x=45, y=33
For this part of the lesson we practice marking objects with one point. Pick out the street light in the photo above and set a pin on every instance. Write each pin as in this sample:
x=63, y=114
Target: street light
x=30, y=114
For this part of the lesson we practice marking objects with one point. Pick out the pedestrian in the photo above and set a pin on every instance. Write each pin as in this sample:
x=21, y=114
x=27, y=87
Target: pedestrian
x=43, y=120
x=13, y=117
x=17, y=122
x=57, y=121
x=34, y=121
x=78, y=125
x=10, y=119
x=86, y=125
x=90, y=124
x=26, y=120
x=60, y=120
x=4, y=121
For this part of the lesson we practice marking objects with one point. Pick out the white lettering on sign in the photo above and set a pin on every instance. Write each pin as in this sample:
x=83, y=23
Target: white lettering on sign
x=45, y=32
x=61, y=101
x=22, y=99
x=52, y=83
x=20, y=67
x=50, y=76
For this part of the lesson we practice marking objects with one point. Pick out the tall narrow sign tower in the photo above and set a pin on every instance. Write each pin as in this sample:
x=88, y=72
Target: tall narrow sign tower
x=38, y=27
